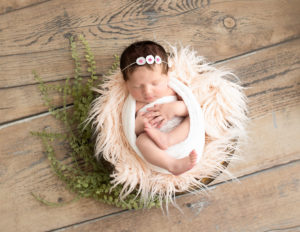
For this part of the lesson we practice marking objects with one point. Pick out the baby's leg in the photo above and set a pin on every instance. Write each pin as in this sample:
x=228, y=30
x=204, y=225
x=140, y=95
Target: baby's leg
x=165, y=140
x=156, y=156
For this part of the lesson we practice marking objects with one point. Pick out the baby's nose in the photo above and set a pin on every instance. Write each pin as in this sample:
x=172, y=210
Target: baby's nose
x=147, y=90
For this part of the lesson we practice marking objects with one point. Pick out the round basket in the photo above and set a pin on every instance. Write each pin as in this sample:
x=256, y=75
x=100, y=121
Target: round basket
x=223, y=102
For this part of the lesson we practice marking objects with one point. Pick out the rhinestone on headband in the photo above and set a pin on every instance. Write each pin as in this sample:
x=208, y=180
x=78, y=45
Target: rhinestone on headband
x=149, y=60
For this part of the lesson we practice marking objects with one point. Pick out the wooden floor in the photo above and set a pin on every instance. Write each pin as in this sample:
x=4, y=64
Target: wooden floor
x=258, y=39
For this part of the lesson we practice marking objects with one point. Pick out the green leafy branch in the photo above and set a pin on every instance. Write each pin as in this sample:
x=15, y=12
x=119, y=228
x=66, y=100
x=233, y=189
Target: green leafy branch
x=84, y=175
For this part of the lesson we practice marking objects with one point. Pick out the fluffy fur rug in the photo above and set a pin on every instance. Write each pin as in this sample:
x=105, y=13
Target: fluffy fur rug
x=223, y=102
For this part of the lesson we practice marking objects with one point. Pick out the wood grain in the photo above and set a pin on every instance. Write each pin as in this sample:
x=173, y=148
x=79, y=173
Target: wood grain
x=24, y=169
x=271, y=141
x=271, y=76
x=259, y=40
x=264, y=201
x=7, y=6
x=218, y=29
x=18, y=103
x=16, y=70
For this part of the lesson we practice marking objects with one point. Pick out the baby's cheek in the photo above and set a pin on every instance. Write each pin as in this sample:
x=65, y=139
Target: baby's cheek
x=163, y=91
x=135, y=94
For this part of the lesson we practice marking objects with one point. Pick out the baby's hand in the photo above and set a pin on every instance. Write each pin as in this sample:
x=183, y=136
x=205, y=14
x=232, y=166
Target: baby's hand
x=140, y=121
x=159, y=114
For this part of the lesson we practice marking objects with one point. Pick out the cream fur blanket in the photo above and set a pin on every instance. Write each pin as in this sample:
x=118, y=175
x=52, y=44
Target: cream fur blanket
x=223, y=102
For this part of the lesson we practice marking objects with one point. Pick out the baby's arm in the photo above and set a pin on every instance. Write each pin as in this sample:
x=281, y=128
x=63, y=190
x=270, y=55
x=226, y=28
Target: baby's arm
x=179, y=108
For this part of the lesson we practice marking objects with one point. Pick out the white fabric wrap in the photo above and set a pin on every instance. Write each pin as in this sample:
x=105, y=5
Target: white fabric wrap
x=196, y=137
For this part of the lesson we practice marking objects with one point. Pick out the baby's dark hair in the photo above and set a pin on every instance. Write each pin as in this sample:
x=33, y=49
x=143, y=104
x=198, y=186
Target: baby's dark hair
x=142, y=49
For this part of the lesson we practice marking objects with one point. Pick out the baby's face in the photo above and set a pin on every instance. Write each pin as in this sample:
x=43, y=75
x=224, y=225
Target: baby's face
x=146, y=85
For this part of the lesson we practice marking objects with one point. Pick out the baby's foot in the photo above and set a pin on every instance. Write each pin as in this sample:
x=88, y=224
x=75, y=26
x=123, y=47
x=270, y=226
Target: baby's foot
x=161, y=139
x=182, y=165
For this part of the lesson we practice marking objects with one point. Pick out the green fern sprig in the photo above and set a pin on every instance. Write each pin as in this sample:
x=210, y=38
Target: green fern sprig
x=83, y=175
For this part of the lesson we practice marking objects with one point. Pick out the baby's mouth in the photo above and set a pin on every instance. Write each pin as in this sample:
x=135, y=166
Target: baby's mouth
x=149, y=98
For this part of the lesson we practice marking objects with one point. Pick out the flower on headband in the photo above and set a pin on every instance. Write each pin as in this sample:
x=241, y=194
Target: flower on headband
x=157, y=59
x=141, y=61
x=150, y=59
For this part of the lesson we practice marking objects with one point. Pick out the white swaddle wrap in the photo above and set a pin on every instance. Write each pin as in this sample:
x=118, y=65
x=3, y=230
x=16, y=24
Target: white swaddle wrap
x=196, y=137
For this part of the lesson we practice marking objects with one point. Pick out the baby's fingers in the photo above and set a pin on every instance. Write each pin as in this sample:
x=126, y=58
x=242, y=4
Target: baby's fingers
x=153, y=108
x=161, y=123
x=141, y=114
x=156, y=124
x=152, y=114
x=157, y=119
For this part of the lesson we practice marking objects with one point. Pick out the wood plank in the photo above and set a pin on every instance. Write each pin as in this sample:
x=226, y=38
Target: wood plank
x=265, y=201
x=272, y=141
x=24, y=169
x=271, y=76
x=112, y=25
x=7, y=6
x=24, y=101
x=275, y=124
x=17, y=70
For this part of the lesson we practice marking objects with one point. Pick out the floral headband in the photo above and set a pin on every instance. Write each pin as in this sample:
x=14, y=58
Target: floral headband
x=149, y=60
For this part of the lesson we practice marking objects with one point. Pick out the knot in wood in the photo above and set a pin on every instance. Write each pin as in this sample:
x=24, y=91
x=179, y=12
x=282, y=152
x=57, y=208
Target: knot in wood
x=229, y=22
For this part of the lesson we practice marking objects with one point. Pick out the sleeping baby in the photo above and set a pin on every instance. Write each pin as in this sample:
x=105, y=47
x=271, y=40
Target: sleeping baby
x=162, y=118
